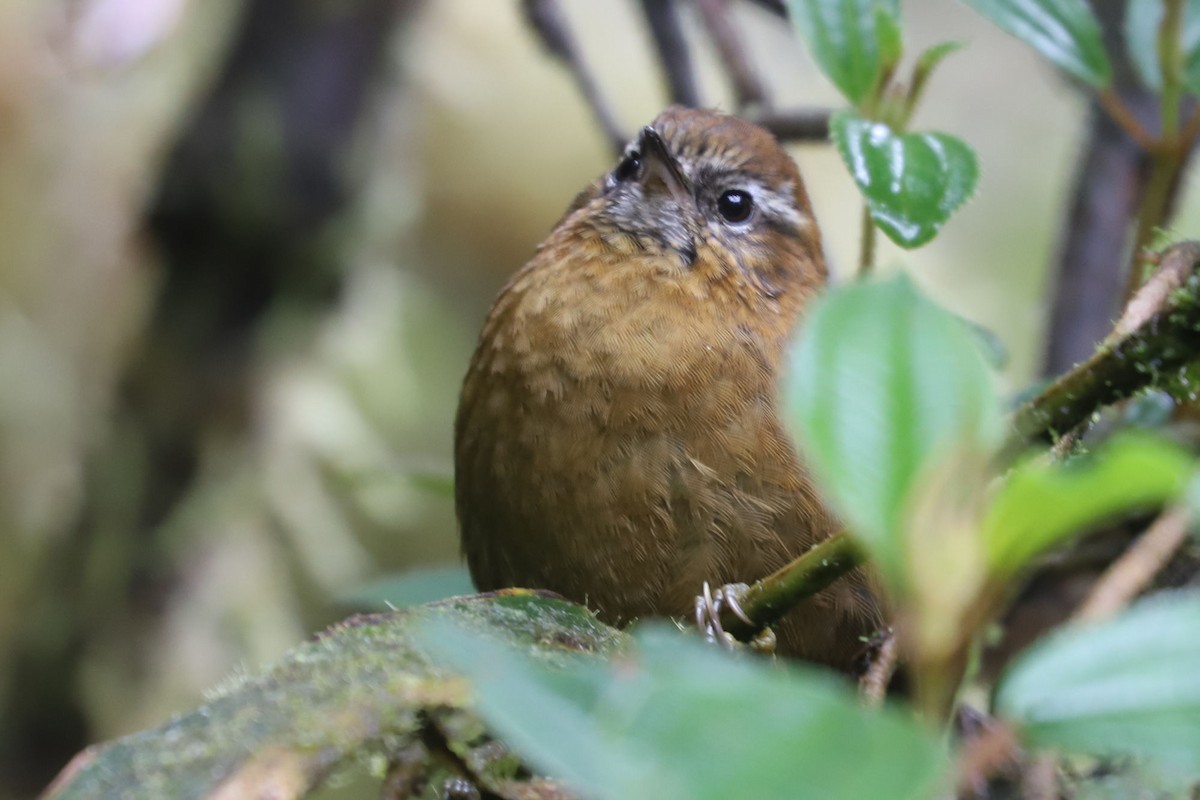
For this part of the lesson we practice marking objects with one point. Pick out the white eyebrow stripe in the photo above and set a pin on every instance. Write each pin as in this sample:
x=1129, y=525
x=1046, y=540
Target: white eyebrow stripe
x=778, y=203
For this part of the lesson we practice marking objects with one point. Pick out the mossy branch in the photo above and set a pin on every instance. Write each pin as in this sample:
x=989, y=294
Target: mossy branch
x=365, y=689
x=1158, y=334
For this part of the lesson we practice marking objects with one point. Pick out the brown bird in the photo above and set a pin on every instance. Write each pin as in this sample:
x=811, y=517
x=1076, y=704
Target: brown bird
x=618, y=438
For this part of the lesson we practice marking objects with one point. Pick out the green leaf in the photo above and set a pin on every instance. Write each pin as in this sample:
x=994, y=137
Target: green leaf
x=1128, y=686
x=888, y=37
x=1064, y=31
x=882, y=382
x=679, y=719
x=1040, y=505
x=934, y=55
x=912, y=182
x=847, y=41
x=1142, y=21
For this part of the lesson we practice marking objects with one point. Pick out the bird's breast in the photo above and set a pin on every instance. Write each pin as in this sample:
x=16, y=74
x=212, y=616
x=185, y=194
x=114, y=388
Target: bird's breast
x=620, y=452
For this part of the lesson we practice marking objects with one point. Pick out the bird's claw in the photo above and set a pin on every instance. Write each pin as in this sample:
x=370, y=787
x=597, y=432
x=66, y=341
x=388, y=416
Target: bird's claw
x=709, y=605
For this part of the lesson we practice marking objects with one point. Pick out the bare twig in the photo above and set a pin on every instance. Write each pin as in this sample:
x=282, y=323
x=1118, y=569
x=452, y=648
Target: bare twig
x=546, y=19
x=1130, y=574
x=804, y=125
x=673, y=51
x=748, y=88
x=874, y=683
x=1126, y=120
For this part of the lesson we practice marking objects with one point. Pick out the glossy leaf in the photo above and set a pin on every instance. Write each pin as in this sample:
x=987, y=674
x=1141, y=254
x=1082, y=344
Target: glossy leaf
x=1129, y=686
x=912, y=182
x=1142, y=21
x=679, y=719
x=1041, y=505
x=882, y=382
x=1064, y=31
x=847, y=41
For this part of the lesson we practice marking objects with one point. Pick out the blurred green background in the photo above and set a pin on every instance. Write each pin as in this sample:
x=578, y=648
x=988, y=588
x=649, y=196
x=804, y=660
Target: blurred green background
x=245, y=249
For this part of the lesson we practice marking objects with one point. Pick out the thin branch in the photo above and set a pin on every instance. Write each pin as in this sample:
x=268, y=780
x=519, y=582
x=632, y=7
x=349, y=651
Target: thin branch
x=748, y=88
x=768, y=600
x=1130, y=574
x=547, y=20
x=673, y=52
x=803, y=125
x=1191, y=129
x=874, y=683
x=866, y=250
x=1121, y=114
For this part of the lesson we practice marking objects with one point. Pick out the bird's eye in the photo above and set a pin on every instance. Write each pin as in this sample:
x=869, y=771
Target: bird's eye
x=629, y=166
x=735, y=205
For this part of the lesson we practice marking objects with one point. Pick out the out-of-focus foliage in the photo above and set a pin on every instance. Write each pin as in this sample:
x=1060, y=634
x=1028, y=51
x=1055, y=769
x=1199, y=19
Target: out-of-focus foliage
x=654, y=722
x=882, y=385
x=1126, y=686
x=1064, y=31
x=1039, y=505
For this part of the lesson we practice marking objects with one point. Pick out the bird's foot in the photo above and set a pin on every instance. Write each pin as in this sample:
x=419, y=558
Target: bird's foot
x=709, y=606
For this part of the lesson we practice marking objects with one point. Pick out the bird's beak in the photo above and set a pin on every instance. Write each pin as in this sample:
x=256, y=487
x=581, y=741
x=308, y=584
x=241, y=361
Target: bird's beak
x=662, y=166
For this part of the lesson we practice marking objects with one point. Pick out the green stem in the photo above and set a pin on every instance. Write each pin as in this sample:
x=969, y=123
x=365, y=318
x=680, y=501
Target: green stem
x=1170, y=61
x=937, y=687
x=866, y=253
x=769, y=599
x=1168, y=154
x=1151, y=213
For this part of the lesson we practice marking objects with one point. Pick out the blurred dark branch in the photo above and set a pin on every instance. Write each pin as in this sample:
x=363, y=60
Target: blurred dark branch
x=748, y=88
x=803, y=125
x=1089, y=273
x=673, y=52
x=546, y=19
